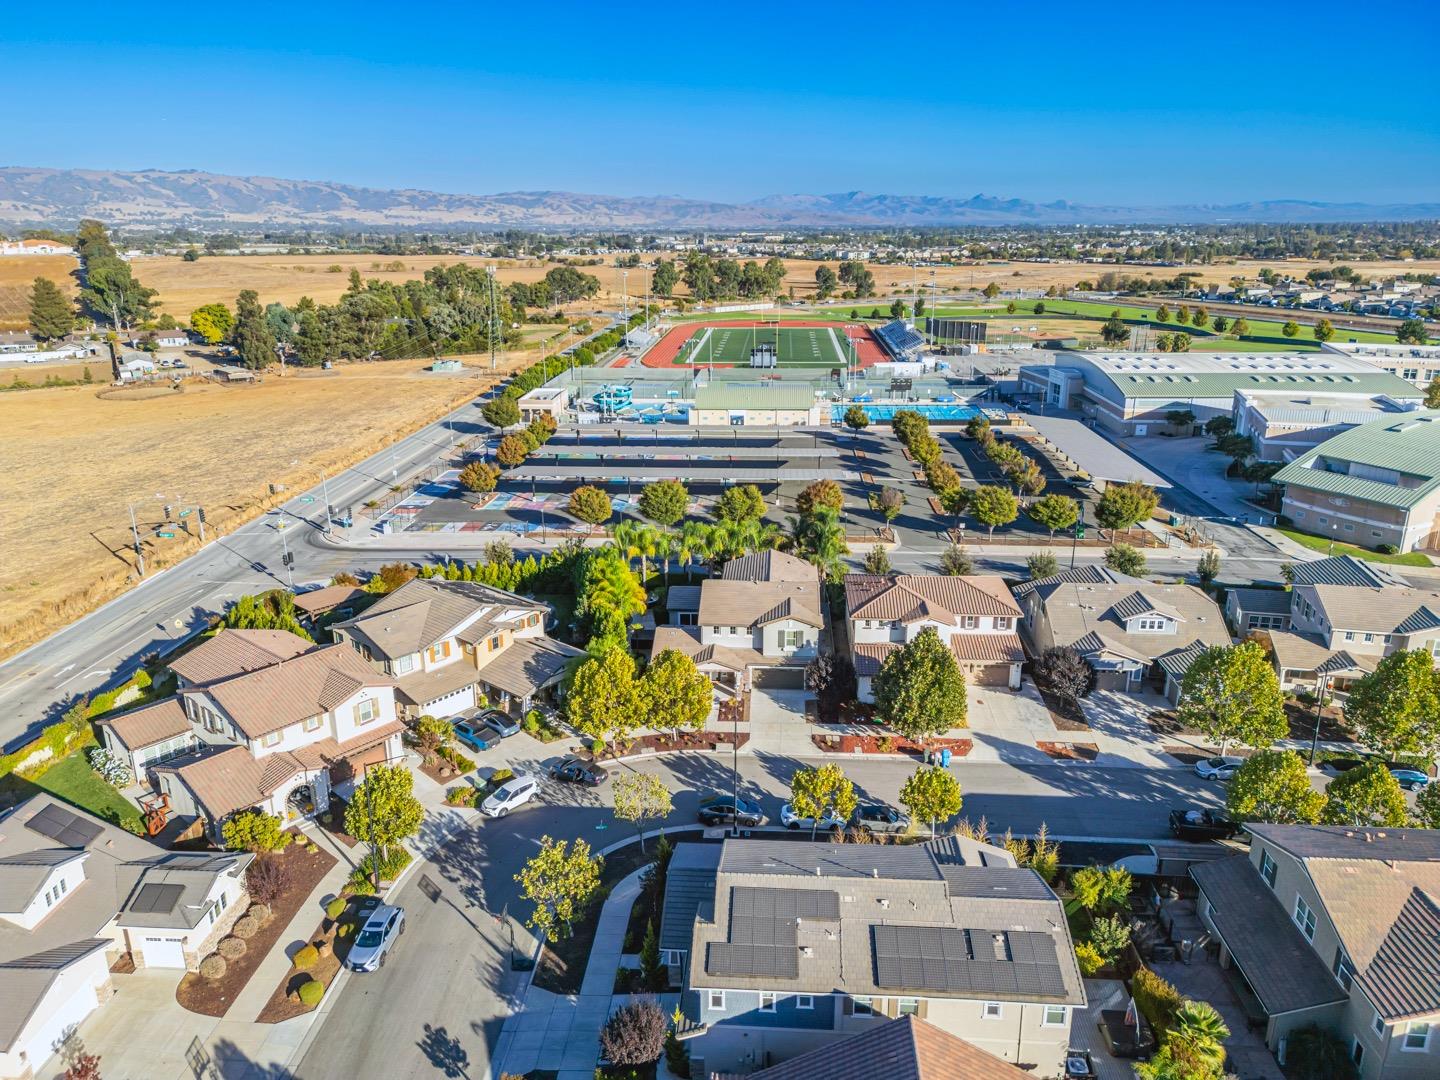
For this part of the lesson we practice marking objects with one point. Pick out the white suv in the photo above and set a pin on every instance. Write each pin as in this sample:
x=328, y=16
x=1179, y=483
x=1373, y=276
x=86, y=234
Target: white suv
x=509, y=795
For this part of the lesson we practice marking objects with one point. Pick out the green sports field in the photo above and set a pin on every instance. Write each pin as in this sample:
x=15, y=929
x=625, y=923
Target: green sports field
x=794, y=346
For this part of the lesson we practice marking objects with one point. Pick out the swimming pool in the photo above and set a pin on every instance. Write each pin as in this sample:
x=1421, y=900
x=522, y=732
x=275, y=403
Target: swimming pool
x=883, y=414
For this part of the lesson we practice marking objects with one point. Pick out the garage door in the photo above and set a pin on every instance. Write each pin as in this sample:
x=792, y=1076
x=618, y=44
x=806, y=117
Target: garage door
x=990, y=675
x=164, y=952
x=464, y=698
x=779, y=678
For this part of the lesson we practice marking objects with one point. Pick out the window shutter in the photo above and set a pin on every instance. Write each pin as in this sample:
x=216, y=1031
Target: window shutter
x=892, y=1007
x=847, y=1007
x=924, y=1008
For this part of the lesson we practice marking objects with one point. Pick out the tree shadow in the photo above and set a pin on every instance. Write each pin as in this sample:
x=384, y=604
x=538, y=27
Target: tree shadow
x=444, y=1052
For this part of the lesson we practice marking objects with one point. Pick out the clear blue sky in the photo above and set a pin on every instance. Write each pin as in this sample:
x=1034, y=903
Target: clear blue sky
x=1136, y=104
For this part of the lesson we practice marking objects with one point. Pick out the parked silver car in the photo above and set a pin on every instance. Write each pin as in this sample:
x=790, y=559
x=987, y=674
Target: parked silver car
x=376, y=938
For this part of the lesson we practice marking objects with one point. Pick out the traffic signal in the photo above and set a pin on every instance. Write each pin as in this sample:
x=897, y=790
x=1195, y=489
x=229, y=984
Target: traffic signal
x=167, y=509
x=201, y=512
x=288, y=559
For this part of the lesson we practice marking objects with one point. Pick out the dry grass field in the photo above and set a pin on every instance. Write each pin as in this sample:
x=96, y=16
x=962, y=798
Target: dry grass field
x=73, y=459
x=18, y=274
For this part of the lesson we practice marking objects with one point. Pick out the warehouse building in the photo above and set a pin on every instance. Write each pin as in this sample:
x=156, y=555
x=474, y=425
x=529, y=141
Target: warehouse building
x=774, y=405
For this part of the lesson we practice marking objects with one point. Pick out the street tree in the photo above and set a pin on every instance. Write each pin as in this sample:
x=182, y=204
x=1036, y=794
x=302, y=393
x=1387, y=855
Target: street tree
x=932, y=794
x=1123, y=506
x=1272, y=786
x=743, y=503
x=920, y=689
x=479, y=476
x=605, y=699
x=1209, y=566
x=589, y=504
x=956, y=562
x=254, y=340
x=501, y=412
x=1054, y=512
x=512, y=451
x=1231, y=693
x=821, y=790
x=1412, y=332
x=992, y=506
x=856, y=418
x=561, y=880
x=1290, y=329
x=1396, y=708
x=641, y=797
x=1040, y=565
x=820, y=493
x=890, y=502
x=1365, y=795
x=675, y=693
x=383, y=812
x=664, y=501
x=1124, y=559
x=51, y=313
x=1323, y=330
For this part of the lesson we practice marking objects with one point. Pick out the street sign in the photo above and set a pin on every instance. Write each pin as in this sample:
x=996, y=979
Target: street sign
x=1079, y=532
x=307, y=498
x=185, y=513
x=167, y=535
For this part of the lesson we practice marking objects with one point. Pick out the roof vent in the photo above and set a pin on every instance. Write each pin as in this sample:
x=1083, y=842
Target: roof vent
x=884, y=903
x=806, y=950
x=874, y=871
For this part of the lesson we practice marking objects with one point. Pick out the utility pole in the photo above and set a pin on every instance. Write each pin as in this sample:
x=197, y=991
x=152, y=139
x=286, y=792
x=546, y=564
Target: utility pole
x=494, y=315
x=286, y=558
x=135, y=536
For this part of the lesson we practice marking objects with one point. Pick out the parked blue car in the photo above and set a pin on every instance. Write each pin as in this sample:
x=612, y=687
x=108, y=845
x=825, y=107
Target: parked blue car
x=478, y=738
x=1409, y=779
x=494, y=718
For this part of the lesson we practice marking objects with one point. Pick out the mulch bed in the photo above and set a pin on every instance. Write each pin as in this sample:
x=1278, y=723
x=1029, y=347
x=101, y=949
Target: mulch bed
x=213, y=997
x=894, y=744
x=433, y=772
x=1081, y=751
x=124, y=965
x=659, y=744
x=281, y=1007
x=333, y=822
x=1165, y=722
x=1302, y=723
x=1188, y=754
x=1065, y=714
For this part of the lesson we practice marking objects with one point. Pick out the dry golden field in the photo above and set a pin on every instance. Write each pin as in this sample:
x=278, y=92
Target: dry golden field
x=18, y=274
x=73, y=458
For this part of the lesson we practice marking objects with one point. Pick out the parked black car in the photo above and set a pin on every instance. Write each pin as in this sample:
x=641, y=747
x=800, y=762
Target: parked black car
x=1201, y=825
x=723, y=809
x=573, y=770
x=879, y=818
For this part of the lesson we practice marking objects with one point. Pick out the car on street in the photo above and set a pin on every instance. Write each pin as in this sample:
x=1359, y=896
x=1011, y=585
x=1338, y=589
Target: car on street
x=180, y=363
x=376, y=938
x=1218, y=768
x=879, y=818
x=1195, y=824
x=474, y=736
x=829, y=822
x=509, y=795
x=494, y=718
x=573, y=770
x=1408, y=778
x=723, y=809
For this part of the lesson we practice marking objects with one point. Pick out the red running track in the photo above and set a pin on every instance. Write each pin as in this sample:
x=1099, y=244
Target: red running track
x=663, y=354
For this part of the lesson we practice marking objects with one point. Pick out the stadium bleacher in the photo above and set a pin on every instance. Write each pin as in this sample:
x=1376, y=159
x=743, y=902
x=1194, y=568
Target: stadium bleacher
x=901, y=340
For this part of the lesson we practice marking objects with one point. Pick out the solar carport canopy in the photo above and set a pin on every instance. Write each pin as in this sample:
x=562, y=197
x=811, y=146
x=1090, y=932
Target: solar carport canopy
x=1093, y=453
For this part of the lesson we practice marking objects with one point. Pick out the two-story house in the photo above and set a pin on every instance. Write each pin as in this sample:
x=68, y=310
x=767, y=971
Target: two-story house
x=261, y=719
x=449, y=644
x=1128, y=630
x=77, y=894
x=757, y=624
x=1344, y=617
x=801, y=944
x=975, y=615
x=1339, y=927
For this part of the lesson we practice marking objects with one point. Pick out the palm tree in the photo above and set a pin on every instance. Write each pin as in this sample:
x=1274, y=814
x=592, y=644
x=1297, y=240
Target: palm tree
x=625, y=534
x=1201, y=1028
x=694, y=543
x=611, y=594
x=820, y=538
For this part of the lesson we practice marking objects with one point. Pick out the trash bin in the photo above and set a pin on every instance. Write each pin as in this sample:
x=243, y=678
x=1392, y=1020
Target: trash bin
x=1175, y=519
x=945, y=757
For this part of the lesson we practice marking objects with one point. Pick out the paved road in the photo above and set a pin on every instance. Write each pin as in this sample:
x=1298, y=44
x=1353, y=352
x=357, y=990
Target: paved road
x=451, y=971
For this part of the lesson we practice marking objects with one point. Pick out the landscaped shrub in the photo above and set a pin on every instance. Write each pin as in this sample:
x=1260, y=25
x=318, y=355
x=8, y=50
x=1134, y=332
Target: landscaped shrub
x=501, y=776
x=245, y=927
x=231, y=948
x=1089, y=958
x=306, y=957
x=335, y=909
x=259, y=912
x=267, y=879
x=361, y=879
x=1155, y=998
x=311, y=992
x=213, y=966
x=112, y=768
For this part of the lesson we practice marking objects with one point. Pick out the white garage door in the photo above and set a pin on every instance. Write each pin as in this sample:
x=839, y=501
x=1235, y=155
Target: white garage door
x=463, y=698
x=164, y=952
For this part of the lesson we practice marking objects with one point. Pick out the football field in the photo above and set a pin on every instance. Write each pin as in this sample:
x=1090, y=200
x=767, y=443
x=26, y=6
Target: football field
x=815, y=346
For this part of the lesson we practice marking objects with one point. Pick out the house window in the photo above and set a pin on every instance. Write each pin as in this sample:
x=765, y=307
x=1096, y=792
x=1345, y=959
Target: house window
x=1342, y=969
x=1357, y=1051
x=792, y=639
x=1417, y=1036
x=1267, y=868
x=1369, y=637
x=909, y=1007
x=862, y=1006
x=402, y=665
x=970, y=622
x=312, y=722
x=1150, y=625
x=734, y=630
x=493, y=643
x=1379, y=1025
x=1349, y=635
x=272, y=739
x=717, y=999
x=439, y=651
x=1003, y=622
x=1304, y=918
x=366, y=710
x=767, y=1001
x=805, y=1001
x=1053, y=1016
x=992, y=1010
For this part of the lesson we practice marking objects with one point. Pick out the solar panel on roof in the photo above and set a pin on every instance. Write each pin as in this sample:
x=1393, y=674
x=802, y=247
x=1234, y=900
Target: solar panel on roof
x=155, y=899
x=725, y=958
x=70, y=830
x=966, y=961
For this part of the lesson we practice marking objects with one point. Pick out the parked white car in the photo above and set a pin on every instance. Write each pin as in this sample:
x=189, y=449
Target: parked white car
x=791, y=820
x=509, y=795
x=1218, y=768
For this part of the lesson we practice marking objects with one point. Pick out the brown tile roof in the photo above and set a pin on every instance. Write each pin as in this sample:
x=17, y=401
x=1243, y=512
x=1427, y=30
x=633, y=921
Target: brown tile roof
x=327, y=751
x=233, y=652
x=687, y=641
x=149, y=724
x=327, y=599
x=275, y=697
x=769, y=566
x=426, y=610
x=754, y=603
x=966, y=648
x=231, y=779
x=528, y=664
x=912, y=597
x=906, y=1048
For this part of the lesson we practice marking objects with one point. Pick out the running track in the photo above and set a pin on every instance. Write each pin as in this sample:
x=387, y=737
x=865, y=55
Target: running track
x=667, y=348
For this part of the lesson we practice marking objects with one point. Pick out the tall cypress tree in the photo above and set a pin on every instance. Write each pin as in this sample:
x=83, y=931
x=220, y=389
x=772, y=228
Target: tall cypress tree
x=253, y=337
x=51, y=315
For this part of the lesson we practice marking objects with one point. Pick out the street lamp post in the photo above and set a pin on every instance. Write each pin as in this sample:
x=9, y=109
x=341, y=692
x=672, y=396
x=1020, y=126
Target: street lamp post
x=1319, y=704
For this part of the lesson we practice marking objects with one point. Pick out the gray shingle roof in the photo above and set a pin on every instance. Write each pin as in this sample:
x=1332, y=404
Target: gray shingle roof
x=1391, y=609
x=22, y=875
x=1345, y=570
x=1092, y=573
x=25, y=981
x=689, y=883
x=1084, y=614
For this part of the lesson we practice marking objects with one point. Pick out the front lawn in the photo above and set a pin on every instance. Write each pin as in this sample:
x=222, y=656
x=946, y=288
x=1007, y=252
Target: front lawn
x=72, y=780
x=1322, y=544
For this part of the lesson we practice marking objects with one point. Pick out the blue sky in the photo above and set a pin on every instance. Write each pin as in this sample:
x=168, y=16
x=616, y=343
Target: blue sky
x=1137, y=104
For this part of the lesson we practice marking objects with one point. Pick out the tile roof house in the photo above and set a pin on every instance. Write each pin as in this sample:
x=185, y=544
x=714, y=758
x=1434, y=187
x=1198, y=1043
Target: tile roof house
x=802, y=944
x=75, y=894
x=449, y=643
x=1125, y=628
x=976, y=616
x=262, y=718
x=1337, y=926
x=759, y=622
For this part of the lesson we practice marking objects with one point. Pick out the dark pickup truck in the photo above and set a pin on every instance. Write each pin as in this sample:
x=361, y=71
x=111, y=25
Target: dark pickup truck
x=1201, y=825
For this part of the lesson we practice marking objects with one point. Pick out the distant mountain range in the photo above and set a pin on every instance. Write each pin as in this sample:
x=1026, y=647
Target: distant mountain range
x=158, y=199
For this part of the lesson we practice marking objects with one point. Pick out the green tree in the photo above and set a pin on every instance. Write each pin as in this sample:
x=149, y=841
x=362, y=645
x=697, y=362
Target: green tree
x=479, y=476
x=1323, y=330
x=1220, y=324
x=1396, y=708
x=1432, y=394
x=512, y=451
x=1290, y=329
x=1054, y=512
x=1162, y=314
x=675, y=693
x=1412, y=332
x=856, y=418
x=1040, y=565
x=665, y=279
x=1182, y=315
x=1365, y=795
x=254, y=830
x=561, y=881
x=589, y=504
x=1125, y=505
x=664, y=501
x=992, y=506
x=1273, y=786
x=1231, y=693
x=274, y=610
x=605, y=698
x=501, y=412
x=1114, y=331
x=610, y=596
x=1427, y=807
x=312, y=342
x=384, y=811
x=920, y=689
x=640, y=797
x=743, y=503
x=932, y=794
x=281, y=321
x=877, y=561
x=815, y=792
x=956, y=562
x=1199, y=317
x=991, y=291
x=1180, y=419
x=1209, y=566
x=213, y=322
x=1124, y=559
x=51, y=314
x=820, y=538
x=1240, y=327
x=253, y=339
x=433, y=734
x=890, y=502
x=112, y=293
x=825, y=282
x=820, y=493
x=1217, y=427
